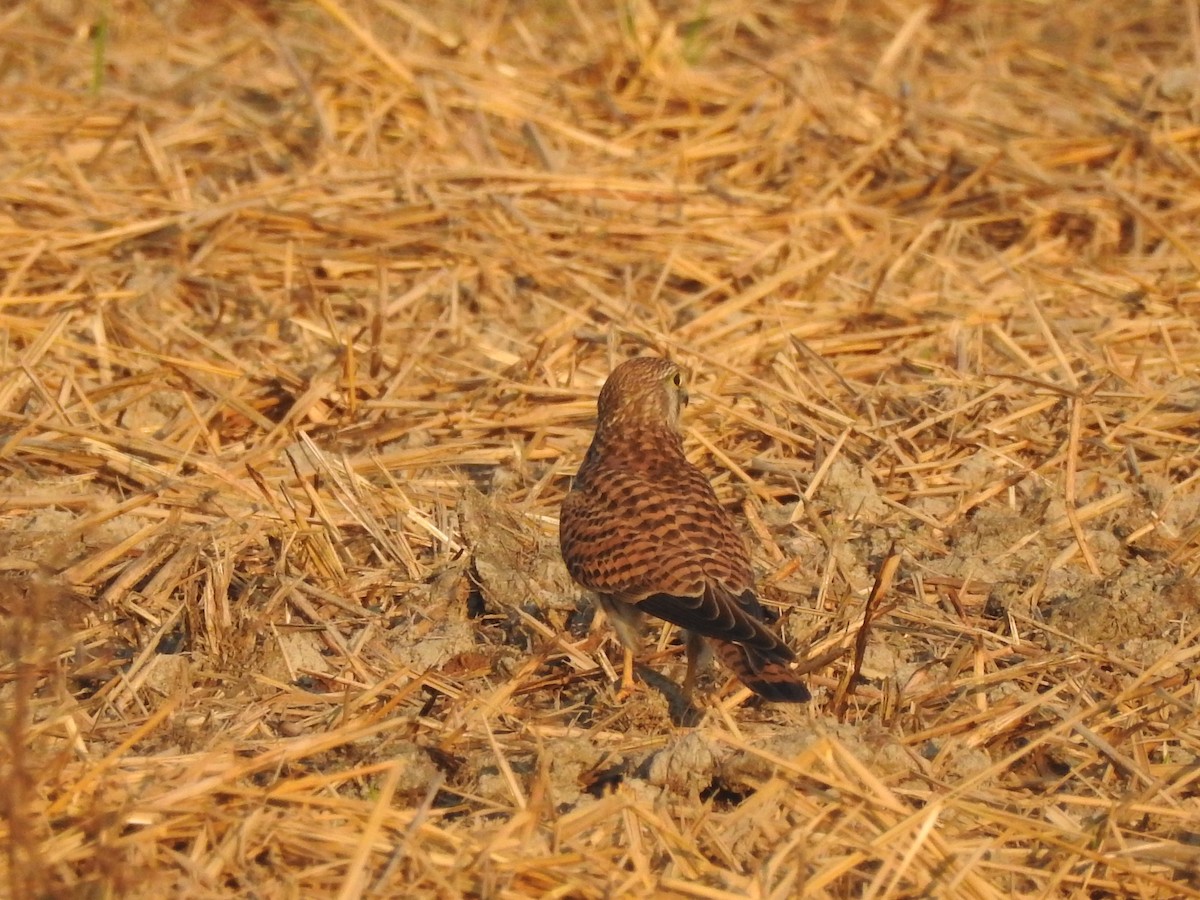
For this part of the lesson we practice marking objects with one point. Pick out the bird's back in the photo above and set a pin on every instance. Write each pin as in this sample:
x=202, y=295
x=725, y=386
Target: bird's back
x=640, y=519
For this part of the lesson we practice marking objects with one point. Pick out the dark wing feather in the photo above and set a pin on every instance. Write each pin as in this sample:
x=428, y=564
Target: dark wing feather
x=717, y=614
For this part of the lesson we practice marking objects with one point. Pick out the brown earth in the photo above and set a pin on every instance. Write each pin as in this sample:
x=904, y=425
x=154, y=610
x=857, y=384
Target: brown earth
x=305, y=306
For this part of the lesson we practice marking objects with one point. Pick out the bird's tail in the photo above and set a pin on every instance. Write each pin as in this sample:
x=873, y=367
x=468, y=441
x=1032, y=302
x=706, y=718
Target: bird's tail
x=770, y=679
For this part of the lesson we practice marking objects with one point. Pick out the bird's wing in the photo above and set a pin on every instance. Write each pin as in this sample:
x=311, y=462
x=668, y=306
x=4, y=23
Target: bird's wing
x=716, y=613
x=668, y=547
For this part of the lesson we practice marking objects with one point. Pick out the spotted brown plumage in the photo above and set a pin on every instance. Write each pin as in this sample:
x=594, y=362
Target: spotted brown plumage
x=643, y=530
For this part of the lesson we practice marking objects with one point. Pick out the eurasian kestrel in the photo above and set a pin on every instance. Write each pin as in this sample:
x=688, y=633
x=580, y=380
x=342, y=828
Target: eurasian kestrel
x=643, y=530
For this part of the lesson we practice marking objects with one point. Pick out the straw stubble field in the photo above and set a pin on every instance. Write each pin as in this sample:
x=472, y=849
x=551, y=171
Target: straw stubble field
x=305, y=306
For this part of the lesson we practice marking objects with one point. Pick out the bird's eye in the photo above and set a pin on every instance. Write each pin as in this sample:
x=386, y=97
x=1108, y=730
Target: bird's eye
x=676, y=380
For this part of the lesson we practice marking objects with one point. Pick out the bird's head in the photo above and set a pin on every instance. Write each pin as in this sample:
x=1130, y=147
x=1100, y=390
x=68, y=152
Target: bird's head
x=647, y=391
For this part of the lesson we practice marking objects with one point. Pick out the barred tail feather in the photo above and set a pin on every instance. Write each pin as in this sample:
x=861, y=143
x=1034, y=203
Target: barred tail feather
x=769, y=679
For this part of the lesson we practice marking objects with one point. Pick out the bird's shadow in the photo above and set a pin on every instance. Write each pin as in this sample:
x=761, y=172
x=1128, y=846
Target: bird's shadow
x=683, y=714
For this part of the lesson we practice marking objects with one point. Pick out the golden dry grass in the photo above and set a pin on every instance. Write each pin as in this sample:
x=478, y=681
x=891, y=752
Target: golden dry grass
x=305, y=306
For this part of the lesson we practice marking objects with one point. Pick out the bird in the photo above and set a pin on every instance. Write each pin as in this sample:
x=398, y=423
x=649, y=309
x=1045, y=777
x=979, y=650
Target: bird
x=641, y=528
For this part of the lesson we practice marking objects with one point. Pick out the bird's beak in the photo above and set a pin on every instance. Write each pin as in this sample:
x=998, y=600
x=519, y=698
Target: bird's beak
x=683, y=398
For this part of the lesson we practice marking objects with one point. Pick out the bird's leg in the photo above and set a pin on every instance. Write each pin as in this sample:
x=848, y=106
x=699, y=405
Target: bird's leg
x=699, y=655
x=625, y=619
x=627, y=688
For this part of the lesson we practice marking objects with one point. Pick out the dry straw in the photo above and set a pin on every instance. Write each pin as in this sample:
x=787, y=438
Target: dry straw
x=304, y=309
